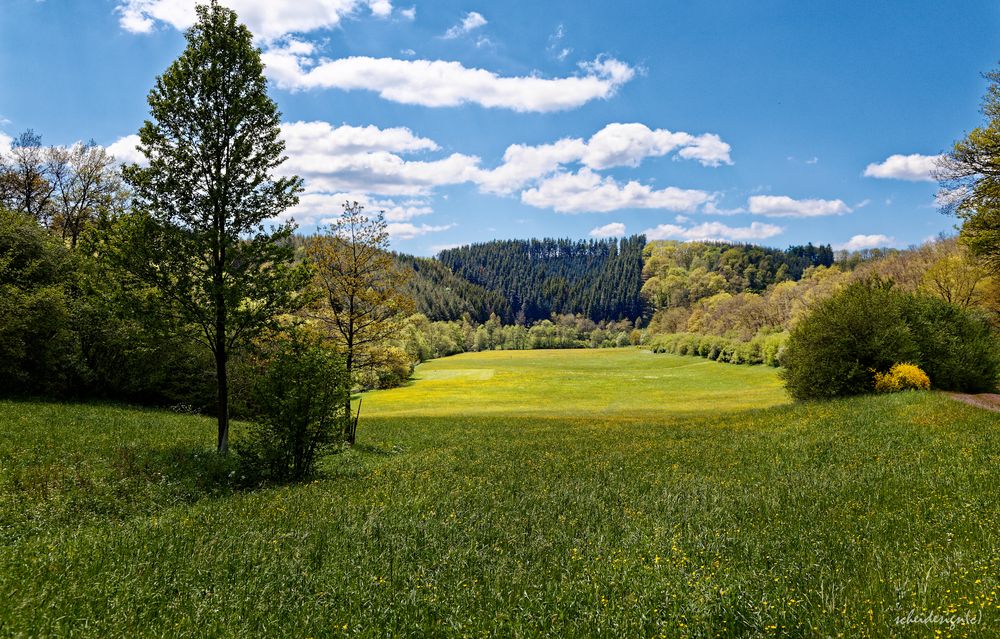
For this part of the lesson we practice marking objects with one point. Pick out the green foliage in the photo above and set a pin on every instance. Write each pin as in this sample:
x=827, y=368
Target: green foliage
x=198, y=234
x=440, y=295
x=600, y=279
x=678, y=274
x=764, y=349
x=869, y=326
x=298, y=408
x=958, y=348
x=39, y=352
x=833, y=350
x=970, y=177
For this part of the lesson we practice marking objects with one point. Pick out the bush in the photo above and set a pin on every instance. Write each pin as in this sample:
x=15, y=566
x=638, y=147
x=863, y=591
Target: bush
x=298, y=403
x=902, y=377
x=958, y=348
x=870, y=326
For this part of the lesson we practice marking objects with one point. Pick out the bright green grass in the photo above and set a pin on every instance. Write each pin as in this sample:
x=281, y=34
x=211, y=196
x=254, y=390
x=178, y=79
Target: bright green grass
x=623, y=383
x=571, y=494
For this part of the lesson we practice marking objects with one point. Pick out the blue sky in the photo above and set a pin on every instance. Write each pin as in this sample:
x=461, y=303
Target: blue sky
x=772, y=122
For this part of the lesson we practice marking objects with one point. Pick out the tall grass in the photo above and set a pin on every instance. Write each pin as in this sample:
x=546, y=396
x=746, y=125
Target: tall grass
x=510, y=510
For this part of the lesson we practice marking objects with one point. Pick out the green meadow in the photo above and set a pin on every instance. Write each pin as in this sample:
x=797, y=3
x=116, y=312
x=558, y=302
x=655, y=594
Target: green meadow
x=610, y=493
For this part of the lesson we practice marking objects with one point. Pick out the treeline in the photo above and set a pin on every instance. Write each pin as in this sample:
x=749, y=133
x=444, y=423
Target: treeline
x=956, y=297
x=600, y=279
x=423, y=339
x=678, y=274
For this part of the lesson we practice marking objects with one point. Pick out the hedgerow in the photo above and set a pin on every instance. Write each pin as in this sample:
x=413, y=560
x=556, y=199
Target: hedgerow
x=763, y=349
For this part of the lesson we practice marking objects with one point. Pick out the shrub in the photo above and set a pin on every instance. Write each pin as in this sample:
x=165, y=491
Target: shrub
x=832, y=350
x=902, y=377
x=772, y=348
x=298, y=402
x=957, y=347
x=870, y=326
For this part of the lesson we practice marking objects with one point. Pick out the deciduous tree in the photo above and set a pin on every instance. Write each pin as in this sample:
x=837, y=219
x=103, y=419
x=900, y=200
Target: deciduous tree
x=970, y=180
x=199, y=235
x=363, y=301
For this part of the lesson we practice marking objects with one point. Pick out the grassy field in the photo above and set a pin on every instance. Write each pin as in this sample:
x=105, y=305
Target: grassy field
x=563, y=493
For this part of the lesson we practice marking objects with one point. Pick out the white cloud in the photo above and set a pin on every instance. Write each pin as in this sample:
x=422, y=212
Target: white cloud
x=380, y=172
x=627, y=144
x=863, y=203
x=784, y=206
x=713, y=209
x=915, y=168
x=555, y=47
x=407, y=52
x=380, y=8
x=439, y=83
x=681, y=219
x=409, y=13
x=470, y=22
x=524, y=163
x=267, y=19
x=5, y=142
x=858, y=242
x=368, y=160
x=314, y=207
x=617, y=144
x=408, y=231
x=813, y=160
x=614, y=229
x=125, y=150
x=323, y=138
x=586, y=191
x=714, y=231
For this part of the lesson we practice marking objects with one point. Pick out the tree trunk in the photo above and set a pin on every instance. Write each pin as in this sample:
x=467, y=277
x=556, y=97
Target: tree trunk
x=349, y=430
x=221, y=374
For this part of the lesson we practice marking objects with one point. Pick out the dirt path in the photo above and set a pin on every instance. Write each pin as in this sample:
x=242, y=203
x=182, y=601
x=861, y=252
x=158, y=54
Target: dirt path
x=989, y=401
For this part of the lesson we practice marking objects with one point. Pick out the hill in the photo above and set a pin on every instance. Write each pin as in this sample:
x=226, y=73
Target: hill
x=600, y=279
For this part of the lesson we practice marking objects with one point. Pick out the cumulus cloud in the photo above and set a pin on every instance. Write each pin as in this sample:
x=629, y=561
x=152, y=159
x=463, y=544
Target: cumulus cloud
x=784, y=206
x=368, y=160
x=472, y=21
x=267, y=19
x=858, y=242
x=5, y=142
x=617, y=144
x=914, y=167
x=586, y=191
x=525, y=163
x=322, y=137
x=439, y=83
x=126, y=150
x=380, y=172
x=347, y=162
x=614, y=229
x=713, y=231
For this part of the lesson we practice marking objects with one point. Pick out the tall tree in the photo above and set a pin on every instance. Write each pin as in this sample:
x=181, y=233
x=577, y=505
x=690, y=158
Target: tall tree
x=970, y=180
x=85, y=184
x=363, y=300
x=24, y=185
x=199, y=235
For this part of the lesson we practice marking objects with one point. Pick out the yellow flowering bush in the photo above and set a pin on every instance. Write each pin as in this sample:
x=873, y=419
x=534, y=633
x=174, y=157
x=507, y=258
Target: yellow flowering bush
x=900, y=377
